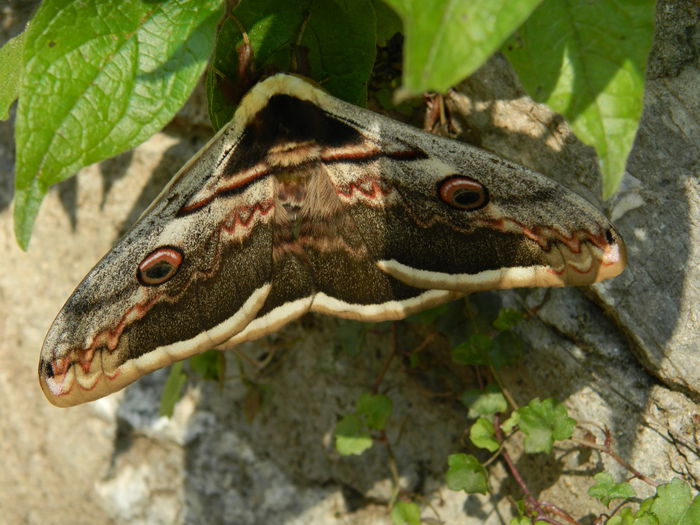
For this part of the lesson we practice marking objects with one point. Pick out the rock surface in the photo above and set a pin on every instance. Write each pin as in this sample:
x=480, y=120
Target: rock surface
x=623, y=354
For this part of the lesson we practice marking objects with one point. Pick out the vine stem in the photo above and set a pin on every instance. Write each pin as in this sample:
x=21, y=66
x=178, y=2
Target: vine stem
x=553, y=509
x=542, y=509
x=424, y=344
x=387, y=363
x=396, y=482
x=511, y=465
x=504, y=390
x=383, y=438
x=618, y=458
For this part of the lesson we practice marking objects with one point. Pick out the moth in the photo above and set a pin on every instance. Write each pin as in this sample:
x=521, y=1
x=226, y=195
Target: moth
x=303, y=203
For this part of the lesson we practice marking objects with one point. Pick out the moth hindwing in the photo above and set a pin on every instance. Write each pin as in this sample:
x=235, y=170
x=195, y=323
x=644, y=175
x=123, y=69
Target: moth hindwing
x=306, y=203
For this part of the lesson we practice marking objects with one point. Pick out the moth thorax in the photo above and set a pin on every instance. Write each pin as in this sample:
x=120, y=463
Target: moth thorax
x=291, y=154
x=305, y=194
x=290, y=194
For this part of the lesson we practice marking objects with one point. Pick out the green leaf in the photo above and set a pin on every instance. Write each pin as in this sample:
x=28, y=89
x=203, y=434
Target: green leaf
x=509, y=424
x=208, y=364
x=606, y=490
x=466, y=473
x=543, y=422
x=272, y=27
x=351, y=436
x=480, y=349
x=388, y=22
x=484, y=402
x=374, y=409
x=507, y=319
x=10, y=73
x=340, y=55
x=172, y=389
x=99, y=78
x=674, y=504
x=586, y=60
x=474, y=351
x=483, y=435
x=507, y=348
x=627, y=517
x=405, y=513
x=522, y=509
x=27, y=203
x=447, y=40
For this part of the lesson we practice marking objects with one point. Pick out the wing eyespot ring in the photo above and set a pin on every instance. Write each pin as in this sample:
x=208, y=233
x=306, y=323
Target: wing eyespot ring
x=462, y=192
x=159, y=266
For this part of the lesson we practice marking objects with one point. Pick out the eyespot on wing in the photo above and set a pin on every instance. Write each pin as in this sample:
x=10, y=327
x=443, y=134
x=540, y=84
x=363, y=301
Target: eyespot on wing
x=462, y=192
x=160, y=266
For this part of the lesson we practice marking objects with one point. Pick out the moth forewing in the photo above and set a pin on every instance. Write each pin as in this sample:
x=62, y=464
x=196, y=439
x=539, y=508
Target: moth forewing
x=307, y=203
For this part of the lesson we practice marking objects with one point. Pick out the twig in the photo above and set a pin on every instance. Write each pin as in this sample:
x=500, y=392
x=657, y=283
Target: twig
x=530, y=500
x=396, y=482
x=553, y=509
x=505, y=391
x=385, y=368
x=423, y=345
x=618, y=458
